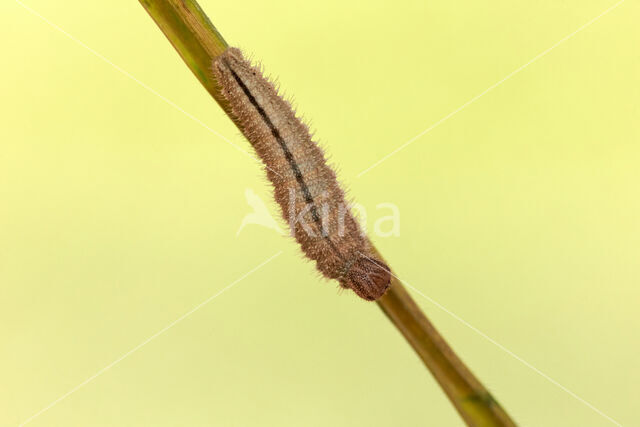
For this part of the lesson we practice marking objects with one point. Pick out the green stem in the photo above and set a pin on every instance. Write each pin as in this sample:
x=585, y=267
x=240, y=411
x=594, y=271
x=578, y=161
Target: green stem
x=199, y=43
x=194, y=37
x=470, y=398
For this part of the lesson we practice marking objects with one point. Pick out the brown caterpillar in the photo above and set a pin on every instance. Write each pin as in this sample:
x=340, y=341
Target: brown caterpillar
x=305, y=186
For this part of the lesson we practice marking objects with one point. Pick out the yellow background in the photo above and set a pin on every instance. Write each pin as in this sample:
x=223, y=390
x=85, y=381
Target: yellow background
x=520, y=214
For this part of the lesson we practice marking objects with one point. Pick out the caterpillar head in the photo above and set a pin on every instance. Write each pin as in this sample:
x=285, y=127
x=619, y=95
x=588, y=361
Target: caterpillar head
x=368, y=278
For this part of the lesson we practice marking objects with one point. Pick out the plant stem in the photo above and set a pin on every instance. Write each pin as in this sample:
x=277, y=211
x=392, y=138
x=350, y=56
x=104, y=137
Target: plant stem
x=194, y=37
x=199, y=43
x=470, y=398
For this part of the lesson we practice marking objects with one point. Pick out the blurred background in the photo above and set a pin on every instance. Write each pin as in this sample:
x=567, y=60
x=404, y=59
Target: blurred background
x=119, y=213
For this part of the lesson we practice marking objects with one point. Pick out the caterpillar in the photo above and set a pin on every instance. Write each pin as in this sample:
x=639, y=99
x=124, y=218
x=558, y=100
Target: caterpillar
x=305, y=187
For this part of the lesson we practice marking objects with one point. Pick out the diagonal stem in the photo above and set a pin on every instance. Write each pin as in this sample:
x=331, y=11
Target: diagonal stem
x=199, y=43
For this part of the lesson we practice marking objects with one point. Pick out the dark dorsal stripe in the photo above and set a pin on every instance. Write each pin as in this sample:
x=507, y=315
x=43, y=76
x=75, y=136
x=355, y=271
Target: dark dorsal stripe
x=288, y=155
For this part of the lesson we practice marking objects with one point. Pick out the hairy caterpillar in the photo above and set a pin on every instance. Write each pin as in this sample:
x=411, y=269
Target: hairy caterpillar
x=305, y=187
